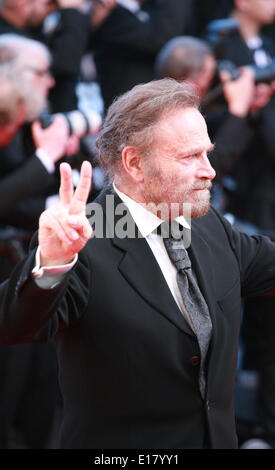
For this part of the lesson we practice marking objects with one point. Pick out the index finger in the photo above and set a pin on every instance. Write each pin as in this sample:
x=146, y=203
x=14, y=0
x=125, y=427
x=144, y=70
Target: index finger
x=82, y=191
x=66, y=189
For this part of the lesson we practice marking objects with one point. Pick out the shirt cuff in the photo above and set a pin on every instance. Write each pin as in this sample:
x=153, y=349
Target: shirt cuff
x=48, y=277
x=45, y=160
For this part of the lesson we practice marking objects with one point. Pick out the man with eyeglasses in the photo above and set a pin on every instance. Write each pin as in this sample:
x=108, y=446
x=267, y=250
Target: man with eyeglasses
x=28, y=156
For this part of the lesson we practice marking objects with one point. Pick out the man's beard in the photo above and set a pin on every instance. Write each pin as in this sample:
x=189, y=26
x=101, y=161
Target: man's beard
x=182, y=199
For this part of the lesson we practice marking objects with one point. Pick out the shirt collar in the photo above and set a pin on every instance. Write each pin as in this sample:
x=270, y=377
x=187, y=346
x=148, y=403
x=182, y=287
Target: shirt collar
x=145, y=220
x=131, y=5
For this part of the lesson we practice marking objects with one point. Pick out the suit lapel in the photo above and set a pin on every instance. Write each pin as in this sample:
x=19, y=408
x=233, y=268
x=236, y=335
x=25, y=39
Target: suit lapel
x=202, y=263
x=140, y=268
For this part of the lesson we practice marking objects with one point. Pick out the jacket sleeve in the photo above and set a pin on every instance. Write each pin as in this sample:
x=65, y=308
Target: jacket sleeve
x=28, y=180
x=31, y=314
x=256, y=259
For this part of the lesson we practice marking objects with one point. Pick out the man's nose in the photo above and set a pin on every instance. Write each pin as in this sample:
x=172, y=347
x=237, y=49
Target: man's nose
x=50, y=82
x=205, y=170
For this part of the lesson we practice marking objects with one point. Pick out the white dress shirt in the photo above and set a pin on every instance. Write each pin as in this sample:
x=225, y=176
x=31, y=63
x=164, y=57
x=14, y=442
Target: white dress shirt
x=147, y=222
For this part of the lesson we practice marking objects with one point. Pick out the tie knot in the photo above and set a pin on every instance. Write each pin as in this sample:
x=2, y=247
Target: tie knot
x=176, y=232
x=177, y=253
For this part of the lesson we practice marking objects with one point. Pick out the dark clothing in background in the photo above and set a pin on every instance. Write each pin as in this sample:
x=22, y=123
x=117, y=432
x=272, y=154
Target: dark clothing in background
x=25, y=183
x=28, y=373
x=231, y=135
x=125, y=46
x=205, y=12
x=67, y=45
x=251, y=199
x=6, y=27
x=29, y=388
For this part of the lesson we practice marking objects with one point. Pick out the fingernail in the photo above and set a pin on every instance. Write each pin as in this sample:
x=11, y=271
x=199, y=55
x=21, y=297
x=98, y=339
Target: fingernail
x=74, y=235
x=73, y=220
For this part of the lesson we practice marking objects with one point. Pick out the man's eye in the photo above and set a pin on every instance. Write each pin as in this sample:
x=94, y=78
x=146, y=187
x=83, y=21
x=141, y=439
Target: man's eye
x=196, y=155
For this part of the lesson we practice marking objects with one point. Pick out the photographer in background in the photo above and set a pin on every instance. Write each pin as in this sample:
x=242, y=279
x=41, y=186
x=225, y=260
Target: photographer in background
x=193, y=60
x=252, y=198
x=234, y=131
x=25, y=146
x=28, y=155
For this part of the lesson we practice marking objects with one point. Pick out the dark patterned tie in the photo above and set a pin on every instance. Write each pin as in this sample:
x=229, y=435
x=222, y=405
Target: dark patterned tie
x=192, y=297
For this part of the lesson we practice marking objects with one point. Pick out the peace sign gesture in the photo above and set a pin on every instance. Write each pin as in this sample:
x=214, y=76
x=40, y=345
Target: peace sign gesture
x=64, y=228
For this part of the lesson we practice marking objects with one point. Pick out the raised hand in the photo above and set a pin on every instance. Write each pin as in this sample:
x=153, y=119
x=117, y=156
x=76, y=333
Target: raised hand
x=64, y=229
x=239, y=93
x=54, y=139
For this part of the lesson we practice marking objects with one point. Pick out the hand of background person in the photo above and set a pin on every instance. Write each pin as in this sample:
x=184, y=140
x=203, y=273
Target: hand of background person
x=55, y=139
x=101, y=10
x=73, y=145
x=239, y=93
x=64, y=228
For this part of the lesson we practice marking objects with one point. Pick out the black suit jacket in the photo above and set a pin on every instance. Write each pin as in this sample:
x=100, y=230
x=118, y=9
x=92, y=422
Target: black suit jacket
x=128, y=360
x=253, y=197
x=125, y=47
x=24, y=183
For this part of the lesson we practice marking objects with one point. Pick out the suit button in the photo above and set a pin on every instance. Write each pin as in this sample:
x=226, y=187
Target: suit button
x=207, y=406
x=194, y=361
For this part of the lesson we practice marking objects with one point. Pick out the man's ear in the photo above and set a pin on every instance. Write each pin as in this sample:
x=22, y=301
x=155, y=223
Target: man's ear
x=131, y=160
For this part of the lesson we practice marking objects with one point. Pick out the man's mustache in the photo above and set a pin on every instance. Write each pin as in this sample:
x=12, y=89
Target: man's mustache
x=200, y=185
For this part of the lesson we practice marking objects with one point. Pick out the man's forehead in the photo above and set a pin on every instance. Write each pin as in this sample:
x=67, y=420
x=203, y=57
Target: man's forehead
x=182, y=124
x=35, y=57
x=188, y=115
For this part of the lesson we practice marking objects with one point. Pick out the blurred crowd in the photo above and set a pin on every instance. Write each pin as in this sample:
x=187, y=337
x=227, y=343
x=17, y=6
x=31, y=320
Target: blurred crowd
x=62, y=62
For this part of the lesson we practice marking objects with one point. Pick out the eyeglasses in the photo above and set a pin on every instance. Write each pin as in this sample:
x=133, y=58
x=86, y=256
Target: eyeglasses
x=39, y=72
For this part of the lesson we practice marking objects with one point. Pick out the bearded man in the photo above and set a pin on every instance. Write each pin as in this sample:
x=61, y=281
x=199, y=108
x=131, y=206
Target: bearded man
x=146, y=327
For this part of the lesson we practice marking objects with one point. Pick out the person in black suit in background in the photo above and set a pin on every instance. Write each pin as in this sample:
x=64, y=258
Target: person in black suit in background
x=252, y=202
x=128, y=355
x=127, y=41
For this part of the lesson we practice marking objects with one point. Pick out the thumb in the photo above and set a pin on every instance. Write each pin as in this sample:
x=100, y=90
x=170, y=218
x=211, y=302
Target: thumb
x=225, y=76
x=36, y=129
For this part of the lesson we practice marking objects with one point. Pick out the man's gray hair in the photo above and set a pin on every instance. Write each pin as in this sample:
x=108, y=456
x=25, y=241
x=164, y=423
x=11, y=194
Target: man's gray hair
x=14, y=53
x=182, y=58
x=133, y=118
x=14, y=49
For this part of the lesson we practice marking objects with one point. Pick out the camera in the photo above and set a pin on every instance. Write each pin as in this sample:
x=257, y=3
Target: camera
x=79, y=123
x=261, y=74
x=217, y=32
